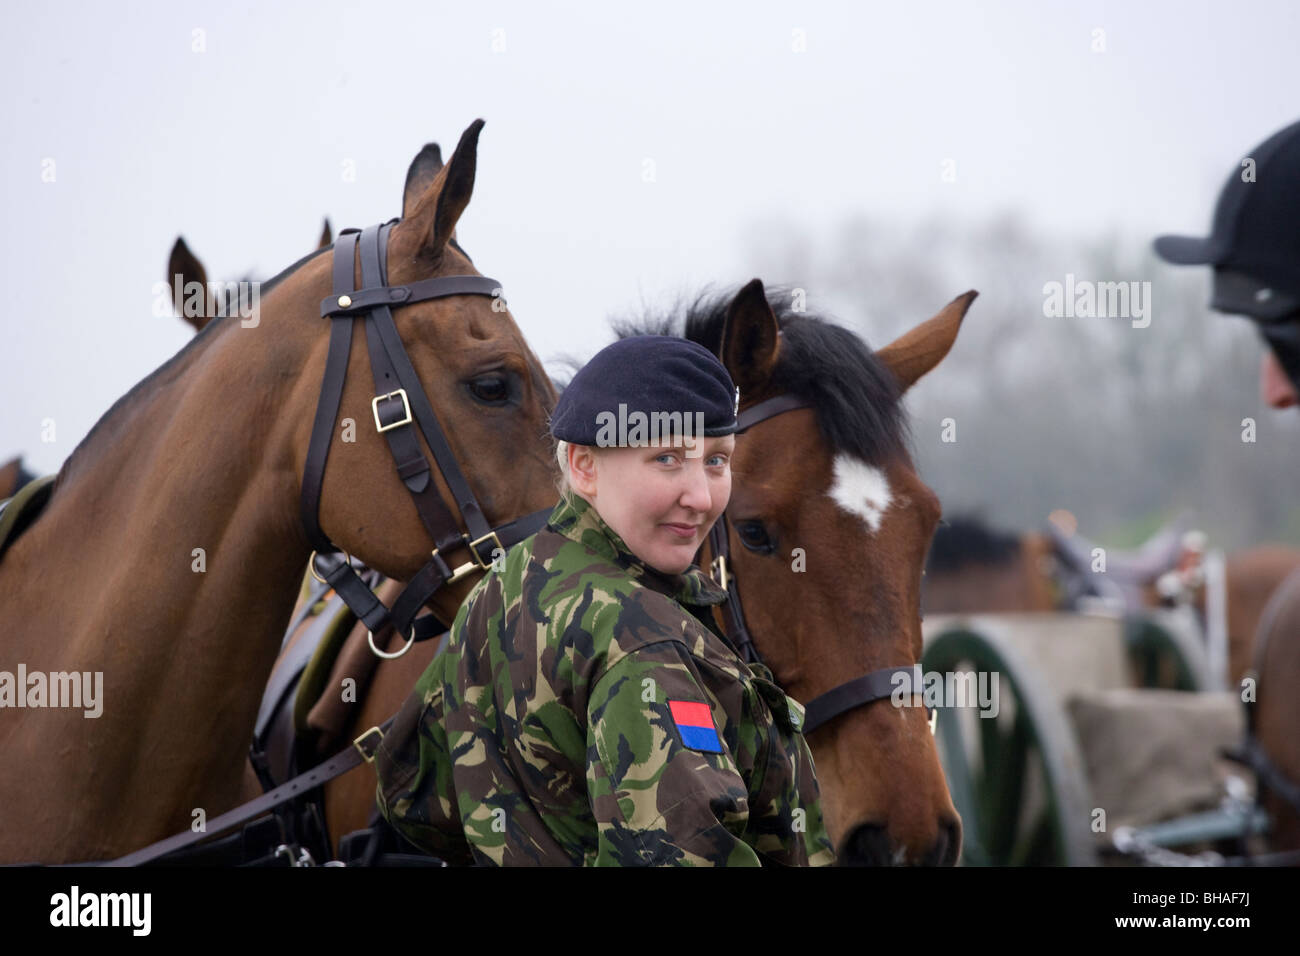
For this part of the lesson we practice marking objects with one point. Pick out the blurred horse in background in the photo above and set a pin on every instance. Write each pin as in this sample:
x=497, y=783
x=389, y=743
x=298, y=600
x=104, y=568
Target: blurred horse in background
x=12, y=477
x=975, y=568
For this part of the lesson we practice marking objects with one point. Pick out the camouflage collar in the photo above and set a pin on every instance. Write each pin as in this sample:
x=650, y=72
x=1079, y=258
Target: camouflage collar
x=577, y=520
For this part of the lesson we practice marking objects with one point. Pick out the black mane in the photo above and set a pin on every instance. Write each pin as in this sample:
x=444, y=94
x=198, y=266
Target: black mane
x=855, y=397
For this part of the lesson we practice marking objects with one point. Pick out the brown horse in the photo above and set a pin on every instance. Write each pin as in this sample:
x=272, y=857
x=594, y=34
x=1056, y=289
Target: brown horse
x=834, y=483
x=972, y=569
x=12, y=477
x=1276, y=711
x=169, y=557
x=1252, y=575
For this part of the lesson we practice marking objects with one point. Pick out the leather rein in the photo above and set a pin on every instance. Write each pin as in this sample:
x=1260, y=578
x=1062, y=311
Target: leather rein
x=841, y=699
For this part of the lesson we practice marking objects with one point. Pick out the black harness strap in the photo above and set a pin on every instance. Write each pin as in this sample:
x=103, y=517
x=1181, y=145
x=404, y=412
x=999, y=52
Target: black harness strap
x=327, y=406
x=399, y=403
x=383, y=338
x=392, y=407
x=769, y=408
x=363, y=748
x=841, y=699
x=856, y=693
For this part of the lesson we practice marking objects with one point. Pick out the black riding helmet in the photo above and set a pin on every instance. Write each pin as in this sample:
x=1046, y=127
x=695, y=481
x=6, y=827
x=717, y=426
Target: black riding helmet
x=1254, y=245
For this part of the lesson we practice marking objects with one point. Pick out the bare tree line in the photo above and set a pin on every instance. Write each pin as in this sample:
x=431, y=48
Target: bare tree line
x=1121, y=425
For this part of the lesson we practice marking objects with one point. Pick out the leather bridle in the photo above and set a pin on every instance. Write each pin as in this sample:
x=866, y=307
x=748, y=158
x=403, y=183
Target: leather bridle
x=841, y=699
x=399, y=408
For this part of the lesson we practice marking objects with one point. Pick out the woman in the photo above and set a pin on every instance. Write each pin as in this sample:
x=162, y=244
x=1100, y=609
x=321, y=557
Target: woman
x=586, y=711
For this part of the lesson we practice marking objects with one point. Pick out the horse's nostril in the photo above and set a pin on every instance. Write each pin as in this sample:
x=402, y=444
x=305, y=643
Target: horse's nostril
x=948, y=847
x=868, y=845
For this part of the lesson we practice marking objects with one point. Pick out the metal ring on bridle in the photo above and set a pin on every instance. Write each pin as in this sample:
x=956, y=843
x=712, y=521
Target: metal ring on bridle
x=311, y=566
x=370, y=636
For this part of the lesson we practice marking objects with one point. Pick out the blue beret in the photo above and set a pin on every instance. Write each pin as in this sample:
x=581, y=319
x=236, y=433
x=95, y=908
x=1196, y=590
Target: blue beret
x=651, y=376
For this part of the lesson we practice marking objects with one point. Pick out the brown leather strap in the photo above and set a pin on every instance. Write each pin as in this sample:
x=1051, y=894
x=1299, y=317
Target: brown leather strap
x=403, y=372
x=412, y=466
x=838, y=700
x=857, y=693
x=719, y=539
x=738, y=630
x=340, y=764
x=361, y=300
x=769, y=408
x=327, y=406
x=400, y=408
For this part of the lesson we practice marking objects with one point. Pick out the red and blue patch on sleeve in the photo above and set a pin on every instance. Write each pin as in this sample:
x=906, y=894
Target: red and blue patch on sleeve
x=695, y=726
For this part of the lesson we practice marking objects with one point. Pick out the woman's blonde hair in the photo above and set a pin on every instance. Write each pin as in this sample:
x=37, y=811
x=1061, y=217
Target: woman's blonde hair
x=564, y=483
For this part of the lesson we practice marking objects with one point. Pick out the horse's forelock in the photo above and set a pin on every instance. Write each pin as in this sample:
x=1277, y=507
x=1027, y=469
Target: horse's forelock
x=856, y=398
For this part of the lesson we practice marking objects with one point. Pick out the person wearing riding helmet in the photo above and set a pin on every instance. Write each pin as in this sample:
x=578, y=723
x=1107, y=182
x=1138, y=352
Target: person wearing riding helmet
x=1254, y=247
x=587, y=710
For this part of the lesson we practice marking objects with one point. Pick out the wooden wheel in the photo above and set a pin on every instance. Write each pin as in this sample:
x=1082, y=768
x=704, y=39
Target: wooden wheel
x=1165, y=655
x=1017, y=778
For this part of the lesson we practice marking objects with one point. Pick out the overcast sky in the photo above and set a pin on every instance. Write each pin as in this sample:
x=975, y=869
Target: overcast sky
x=238, y=136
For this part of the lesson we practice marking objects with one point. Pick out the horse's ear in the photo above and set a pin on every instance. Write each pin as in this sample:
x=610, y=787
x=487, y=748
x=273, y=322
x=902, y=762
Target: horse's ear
x=326, y=235
x=183, y=267
x=750, y=338
x=433, y=220
x=419, y=177
x=914, y=353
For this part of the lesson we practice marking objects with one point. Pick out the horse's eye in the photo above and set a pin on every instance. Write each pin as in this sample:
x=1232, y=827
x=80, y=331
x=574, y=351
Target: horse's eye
x=490, y=389
x=754, y=536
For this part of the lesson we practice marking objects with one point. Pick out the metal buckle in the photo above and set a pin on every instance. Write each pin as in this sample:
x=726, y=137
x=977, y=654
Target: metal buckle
x=719, y=571
x=286, y=850
x=406, y=408
x=473, y=548
x=370, y=638
x=311, y=565
x=478, y=564
x=368, y=757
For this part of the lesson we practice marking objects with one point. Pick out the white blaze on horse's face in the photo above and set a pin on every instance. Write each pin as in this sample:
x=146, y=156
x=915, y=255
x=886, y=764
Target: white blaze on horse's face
x=861, y=489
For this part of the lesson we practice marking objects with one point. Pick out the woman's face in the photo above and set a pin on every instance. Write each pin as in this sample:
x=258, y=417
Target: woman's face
x=659, y=500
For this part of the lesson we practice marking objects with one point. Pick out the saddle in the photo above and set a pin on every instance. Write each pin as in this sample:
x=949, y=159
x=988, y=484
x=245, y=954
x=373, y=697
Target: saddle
x=303, y=717
x=18, y=513
x=12, y=477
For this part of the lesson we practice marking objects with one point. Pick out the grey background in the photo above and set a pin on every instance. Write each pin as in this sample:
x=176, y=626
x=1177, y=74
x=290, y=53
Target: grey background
x=821, y=168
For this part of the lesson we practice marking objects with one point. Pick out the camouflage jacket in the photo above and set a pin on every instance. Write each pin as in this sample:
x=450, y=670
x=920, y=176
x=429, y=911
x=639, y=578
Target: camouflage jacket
x=582, y=715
